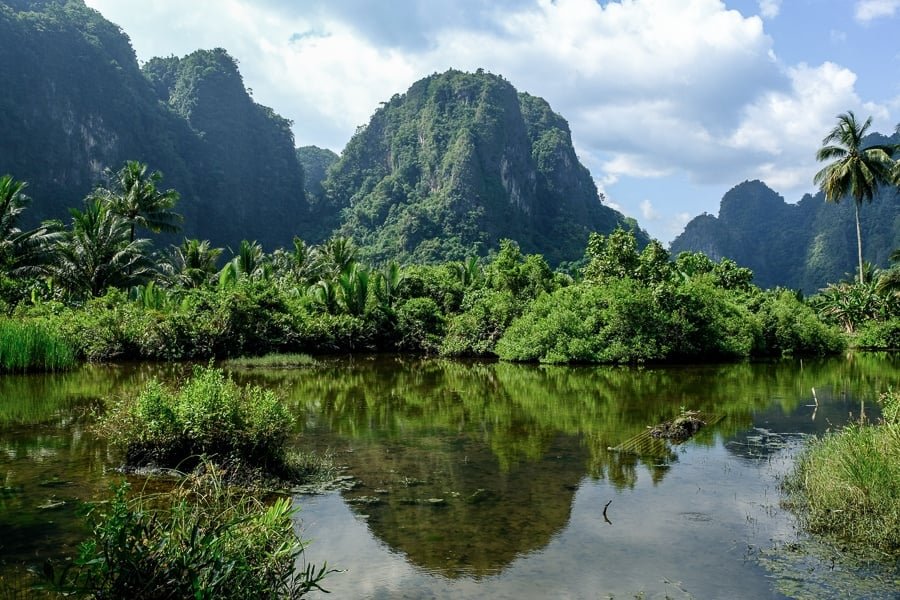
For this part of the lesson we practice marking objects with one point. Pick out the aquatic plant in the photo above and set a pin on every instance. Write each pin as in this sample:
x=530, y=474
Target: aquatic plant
x=847, y=484
x=210, y=415
x=32, y=345
x=203, y=540
x=271, y=361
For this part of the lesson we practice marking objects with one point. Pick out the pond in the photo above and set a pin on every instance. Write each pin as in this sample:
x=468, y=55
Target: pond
x=472, y=479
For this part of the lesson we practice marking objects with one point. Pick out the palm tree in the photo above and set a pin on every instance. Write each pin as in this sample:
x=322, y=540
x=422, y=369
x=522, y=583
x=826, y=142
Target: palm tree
x=193, y=263
x=21, y=251
x=335, y=256
x=856, y=171
x=97, y=254
x=353, y=288
x=134, y=196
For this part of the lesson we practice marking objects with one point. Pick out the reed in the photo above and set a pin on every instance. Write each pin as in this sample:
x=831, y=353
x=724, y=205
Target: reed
x=847, y=484
x=31, y=345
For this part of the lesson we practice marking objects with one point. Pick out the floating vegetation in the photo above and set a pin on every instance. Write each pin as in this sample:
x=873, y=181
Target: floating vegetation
x=654, y=441
x=271, y=361
x=679, y=429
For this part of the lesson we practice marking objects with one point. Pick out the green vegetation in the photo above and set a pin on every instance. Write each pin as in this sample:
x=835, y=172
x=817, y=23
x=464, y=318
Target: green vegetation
x=858, y=169
x=847, y=484
x=457, y=163
x=33, y=345
x=111, y=299
x=204, y=540
x=634, y=307
x=271, y=361
x=244, y=429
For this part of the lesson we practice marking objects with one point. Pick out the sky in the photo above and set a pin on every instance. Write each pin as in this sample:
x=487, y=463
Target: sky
x=671, y=103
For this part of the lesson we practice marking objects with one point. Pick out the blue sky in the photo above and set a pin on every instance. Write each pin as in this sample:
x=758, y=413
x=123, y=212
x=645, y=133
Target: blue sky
x=671, y=102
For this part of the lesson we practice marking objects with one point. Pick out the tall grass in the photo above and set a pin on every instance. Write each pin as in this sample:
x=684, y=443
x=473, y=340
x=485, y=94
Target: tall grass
x=847, y=484
x=203, y=541
x=31, y=345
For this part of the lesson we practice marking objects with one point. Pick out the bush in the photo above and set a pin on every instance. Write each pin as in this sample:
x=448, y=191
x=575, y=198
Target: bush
x=625, y=321
x=881, y=335
x=485, y=317
x=203, y=541
x=33, y=345
x=847, y=484
x=614, y=323
x=246, y=427
x=420, y=325
x=790, y=327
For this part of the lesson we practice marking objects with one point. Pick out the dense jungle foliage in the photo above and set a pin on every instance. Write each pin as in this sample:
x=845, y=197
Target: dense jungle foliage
x=110, y=295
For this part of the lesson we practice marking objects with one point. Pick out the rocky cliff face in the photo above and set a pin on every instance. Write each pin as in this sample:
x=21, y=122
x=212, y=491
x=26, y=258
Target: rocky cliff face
x=75, y=102
x=458, y=162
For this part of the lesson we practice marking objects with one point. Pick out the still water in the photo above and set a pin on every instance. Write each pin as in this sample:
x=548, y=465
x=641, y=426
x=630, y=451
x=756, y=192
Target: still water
x=475, y=480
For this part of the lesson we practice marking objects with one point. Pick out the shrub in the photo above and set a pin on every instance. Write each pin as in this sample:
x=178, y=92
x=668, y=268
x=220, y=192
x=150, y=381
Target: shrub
x=33, y=345
x=790, y=327
x=420, y=325
x=485, y=317
x=203, y=541
x=585, y=323
x=625, y=321
x=882, y=335
x=209, y=415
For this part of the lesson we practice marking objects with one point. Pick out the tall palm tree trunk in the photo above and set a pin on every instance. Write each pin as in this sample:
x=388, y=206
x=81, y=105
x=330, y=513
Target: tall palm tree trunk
x=859, y=244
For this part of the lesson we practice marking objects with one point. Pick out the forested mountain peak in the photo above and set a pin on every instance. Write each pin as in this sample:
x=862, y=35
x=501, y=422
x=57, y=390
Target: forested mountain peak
x=801, y=246
x=458, y=162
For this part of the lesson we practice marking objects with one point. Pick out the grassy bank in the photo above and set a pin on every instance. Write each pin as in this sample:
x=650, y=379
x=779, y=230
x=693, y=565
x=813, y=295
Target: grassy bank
x=847, y=484
x=31, y=345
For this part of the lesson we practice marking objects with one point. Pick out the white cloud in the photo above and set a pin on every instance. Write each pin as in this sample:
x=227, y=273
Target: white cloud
x=769, y=9
x=789, y=126
x=869, y=10
x=648, y=212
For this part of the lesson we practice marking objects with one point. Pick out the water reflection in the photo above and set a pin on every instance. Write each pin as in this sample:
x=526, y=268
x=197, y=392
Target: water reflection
x=465, y=467
x=474, y=472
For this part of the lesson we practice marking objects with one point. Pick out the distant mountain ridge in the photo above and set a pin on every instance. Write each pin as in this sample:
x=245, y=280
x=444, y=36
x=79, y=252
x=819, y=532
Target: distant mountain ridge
x=801, y=246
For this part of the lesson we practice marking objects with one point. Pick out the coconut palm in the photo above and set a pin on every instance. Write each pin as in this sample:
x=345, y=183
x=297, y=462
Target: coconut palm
x=134, y=196
x=335, y=256
x=193, y=263
x=96, y=253
x=21, y=251
x=857, y=171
